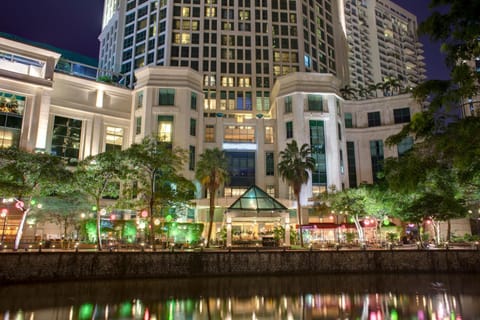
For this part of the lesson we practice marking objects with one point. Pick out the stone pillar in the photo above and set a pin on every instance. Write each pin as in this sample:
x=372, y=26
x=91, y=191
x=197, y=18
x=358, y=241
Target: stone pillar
x=287, y=230
x=229, y=230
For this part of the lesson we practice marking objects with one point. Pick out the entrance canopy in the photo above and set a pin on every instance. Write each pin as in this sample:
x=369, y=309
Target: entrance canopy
x=257, y=201
x=255, y=205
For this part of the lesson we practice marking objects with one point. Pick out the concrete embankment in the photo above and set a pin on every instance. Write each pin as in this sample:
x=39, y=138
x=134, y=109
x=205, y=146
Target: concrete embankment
x=65, y=266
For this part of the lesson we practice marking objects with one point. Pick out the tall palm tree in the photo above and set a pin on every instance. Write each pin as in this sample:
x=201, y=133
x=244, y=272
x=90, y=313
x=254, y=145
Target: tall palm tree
x=348, y=92
x=212, y=172
x=294, y=168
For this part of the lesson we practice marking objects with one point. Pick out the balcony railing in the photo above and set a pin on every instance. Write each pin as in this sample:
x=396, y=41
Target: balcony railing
x=89, y=72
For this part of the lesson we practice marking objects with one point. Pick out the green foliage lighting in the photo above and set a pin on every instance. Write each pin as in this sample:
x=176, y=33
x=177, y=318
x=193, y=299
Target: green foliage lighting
x=85, y=311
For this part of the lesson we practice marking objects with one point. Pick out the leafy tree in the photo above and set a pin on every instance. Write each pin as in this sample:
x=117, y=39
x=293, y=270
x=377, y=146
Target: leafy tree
x=98, y=177
x=350, y=202
x=455, y=24
x=294, y=168
x=24, y=175
x=63, y=209
x=153, y=168
x=212, y=172
x=430, y=186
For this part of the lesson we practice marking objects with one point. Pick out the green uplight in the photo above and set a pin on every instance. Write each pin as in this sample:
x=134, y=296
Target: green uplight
x=125, y=310
x=94, y=208
x=85, y=311
x=168, y=218
x=393, y=315
x=33, y=202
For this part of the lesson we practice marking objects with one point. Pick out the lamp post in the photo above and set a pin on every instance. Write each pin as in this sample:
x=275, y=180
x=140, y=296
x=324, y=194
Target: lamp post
x=3, y=214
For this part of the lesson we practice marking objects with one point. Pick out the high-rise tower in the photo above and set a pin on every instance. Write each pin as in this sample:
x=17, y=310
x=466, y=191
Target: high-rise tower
x=383, y=44
x=239, y=46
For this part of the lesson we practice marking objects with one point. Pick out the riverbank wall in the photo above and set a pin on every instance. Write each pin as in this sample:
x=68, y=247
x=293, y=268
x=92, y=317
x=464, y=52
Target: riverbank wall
x=66, y=266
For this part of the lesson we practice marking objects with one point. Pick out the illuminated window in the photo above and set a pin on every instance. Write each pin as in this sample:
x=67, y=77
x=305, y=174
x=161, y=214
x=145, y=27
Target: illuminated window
x=209, y=80
x=227, y=81
x=181, y=38
x=239, y=134
x=8, y=138
x=165, y=128
x=185, y=12
x=209, y=133
x=210, y=12
x=244, y=82
x=269, y=135
x=113, y=138
x=244, y=15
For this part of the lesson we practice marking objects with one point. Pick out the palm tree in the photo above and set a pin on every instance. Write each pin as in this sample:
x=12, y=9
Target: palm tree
x=212, y=173
x=348, y=92
x=294, y=168
x=363, y=92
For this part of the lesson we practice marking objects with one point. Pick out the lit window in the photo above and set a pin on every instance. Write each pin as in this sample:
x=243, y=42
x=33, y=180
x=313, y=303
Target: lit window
x=113, y=138
x=227, y=81
x=269, y=135
x=210, y=12
x=209, y=133
x=239, y=134
x=165, y=128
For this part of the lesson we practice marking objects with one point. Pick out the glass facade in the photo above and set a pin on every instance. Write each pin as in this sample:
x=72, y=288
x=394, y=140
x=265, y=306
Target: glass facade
x=269, y=164
x=352, y=167
x=376, y=153
x=66, y=138
x=241, y=166
x=317, y=143
x=11, y=119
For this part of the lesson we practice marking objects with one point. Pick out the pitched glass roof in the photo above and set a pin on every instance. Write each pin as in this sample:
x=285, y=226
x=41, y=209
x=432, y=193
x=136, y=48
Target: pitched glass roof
x=255, y=199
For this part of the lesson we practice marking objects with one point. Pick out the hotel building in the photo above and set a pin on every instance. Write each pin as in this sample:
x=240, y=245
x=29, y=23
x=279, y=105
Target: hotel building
x=246, y=76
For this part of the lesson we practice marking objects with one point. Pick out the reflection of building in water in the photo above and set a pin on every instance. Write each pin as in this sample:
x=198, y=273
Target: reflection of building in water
x=439, y=305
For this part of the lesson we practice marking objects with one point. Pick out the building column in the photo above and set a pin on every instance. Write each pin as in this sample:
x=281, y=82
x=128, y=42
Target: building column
x=42, y=113
x=287, y=230
x=229, y=230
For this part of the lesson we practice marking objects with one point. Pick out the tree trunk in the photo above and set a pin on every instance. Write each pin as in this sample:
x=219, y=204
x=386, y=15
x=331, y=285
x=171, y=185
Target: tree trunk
x=18, y=237
x=299, y=214
x=211, y=216
x=99, y=233
x=151, y=225
x=449, y=229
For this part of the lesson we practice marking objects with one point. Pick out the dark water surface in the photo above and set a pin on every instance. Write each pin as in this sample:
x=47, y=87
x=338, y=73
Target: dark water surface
x=371, y=297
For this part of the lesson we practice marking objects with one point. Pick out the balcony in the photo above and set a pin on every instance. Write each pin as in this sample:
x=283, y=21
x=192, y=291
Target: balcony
x=89, y=72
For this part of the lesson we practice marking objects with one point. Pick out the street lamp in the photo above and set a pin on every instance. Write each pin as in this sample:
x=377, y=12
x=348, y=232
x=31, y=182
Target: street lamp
x=3, y=214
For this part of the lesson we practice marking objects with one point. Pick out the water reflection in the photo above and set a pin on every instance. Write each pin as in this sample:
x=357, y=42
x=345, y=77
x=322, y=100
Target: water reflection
x=372, y=297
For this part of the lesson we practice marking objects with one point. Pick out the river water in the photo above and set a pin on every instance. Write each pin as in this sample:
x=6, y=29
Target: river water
x=372, y=297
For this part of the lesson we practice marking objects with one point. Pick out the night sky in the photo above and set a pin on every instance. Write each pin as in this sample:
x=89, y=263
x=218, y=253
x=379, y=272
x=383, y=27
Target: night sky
x=76, y=26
